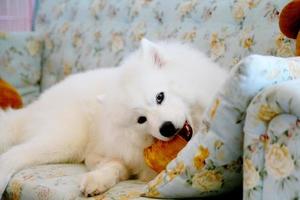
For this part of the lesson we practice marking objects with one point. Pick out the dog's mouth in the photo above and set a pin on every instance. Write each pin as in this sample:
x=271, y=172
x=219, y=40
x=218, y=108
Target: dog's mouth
x=186, y=132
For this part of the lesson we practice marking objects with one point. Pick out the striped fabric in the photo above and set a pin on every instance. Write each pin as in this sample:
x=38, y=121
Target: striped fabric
x=16, y=15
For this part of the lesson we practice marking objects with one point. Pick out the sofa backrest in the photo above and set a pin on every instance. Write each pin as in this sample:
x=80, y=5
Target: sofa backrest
x=80, y=35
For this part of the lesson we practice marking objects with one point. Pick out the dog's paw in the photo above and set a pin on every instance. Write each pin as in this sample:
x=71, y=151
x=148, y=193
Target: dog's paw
x=95, y=183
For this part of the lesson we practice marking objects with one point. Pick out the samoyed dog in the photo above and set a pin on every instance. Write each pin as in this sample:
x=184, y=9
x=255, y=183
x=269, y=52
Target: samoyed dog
x=106, y=117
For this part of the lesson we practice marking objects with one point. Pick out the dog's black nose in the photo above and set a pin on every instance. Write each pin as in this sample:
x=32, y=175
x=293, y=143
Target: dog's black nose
x=167, y=129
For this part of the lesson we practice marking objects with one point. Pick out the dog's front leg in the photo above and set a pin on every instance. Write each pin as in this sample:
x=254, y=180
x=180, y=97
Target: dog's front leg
x=104, y=174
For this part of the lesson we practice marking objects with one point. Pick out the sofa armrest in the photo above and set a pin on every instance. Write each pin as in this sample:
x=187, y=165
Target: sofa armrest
x=218, y=146
x=271, y=152
x=256, y=72
x=20, y=62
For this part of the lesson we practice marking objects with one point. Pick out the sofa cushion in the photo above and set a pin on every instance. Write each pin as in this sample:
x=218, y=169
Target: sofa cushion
x=20, y=62
x=61, y=181
x=81, y=35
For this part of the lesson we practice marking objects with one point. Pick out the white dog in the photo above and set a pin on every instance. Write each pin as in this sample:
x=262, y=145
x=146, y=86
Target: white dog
x=106, y=117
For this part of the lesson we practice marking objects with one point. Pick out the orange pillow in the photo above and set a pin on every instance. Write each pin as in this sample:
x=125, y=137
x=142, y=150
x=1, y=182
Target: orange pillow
x=9, y=96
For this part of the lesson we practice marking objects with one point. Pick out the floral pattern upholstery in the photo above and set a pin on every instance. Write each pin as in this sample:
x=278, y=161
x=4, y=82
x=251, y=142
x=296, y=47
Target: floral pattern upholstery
x=61, y=181
x=265, y=89
x=80, y=35
x=20, y=62
x=271, y=147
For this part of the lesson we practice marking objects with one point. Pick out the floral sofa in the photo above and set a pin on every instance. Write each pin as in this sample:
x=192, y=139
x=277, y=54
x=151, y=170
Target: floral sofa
x=73, y=35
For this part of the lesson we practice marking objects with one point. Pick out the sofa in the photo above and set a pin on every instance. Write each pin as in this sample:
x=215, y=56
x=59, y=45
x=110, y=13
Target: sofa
x=71, y=36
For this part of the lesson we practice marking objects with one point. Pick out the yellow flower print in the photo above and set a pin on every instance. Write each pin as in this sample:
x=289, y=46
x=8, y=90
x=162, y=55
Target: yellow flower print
x=158, y=180
x=207, y=181
x=77, y=39
x=266, y=113
x=235, y=60
x=59, y=9
x=48, y=42
x=152, y=186
x=117, y=42
x=214, y=108
x=283, y=46
x=177, y=170
x=67, y=69
x=248, y=43
x=97, y=6
x=208, y=12
x=201, y=155
x=101, y=197
x=97, y=35
x=252, y=3
x=15, y=187
x=153, y=192
x=279, y=40
x=65, y=27
x=189, y=36
x=279, y=162
x=3, y=35
x=217, y=46
x=220, y=154
x=139, y=32
x=238, y=12
x=218, y=144
x=33, y=47
x=186, y=7
x=251, y=176
x=130, y=195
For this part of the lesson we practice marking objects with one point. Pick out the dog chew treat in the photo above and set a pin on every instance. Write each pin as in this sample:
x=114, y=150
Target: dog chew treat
x=160, y=153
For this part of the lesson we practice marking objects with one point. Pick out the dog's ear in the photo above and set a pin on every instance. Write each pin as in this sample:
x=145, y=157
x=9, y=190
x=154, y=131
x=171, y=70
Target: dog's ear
x=151, y=51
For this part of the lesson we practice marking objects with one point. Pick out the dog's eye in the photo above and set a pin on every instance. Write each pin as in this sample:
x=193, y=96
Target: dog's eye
x=160, y=97
x=142, y=119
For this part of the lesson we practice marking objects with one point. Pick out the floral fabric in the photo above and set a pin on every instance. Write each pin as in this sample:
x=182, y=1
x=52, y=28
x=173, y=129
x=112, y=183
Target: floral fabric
x=211, y=163
x=271, y=153
x=81, y=35
x=20, y=62
x=62, y=181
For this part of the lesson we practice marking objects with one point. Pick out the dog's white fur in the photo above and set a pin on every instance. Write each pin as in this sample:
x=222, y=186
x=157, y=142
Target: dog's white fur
x=92, y=117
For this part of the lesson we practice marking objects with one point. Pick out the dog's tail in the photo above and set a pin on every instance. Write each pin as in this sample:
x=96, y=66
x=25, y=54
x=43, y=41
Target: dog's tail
x=11, y=125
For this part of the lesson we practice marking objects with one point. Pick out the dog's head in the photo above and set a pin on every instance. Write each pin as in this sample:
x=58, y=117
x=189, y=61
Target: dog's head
x=147, y=99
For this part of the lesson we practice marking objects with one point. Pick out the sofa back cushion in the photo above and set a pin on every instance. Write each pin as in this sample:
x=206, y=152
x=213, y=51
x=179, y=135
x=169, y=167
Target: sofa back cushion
x=98, y=33
x=20, y=62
